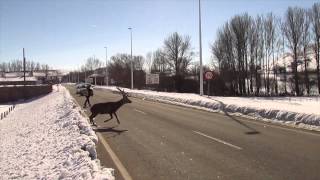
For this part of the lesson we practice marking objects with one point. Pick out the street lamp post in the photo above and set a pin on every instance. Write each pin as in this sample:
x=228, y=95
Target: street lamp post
x=24, y=68
x=85, y=74
x=107, y=80
x=131, y=58
x=200, y=52
x=78, y=75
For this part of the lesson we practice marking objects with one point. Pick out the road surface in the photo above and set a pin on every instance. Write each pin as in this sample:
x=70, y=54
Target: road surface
x=160, y=141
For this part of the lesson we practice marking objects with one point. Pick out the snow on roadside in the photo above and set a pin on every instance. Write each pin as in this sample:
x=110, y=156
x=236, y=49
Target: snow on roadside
x=303, y=112
x=47, y=138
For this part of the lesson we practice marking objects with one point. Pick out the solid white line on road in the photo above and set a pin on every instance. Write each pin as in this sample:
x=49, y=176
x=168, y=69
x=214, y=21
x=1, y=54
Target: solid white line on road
x=140, y=111
x=117, y=162
x=218, y=140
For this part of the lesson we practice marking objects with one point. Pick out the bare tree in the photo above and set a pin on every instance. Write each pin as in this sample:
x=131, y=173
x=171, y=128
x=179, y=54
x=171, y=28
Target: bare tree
x=32, y=66
x=149, y=61
x=315, y=20
x=93, y=63
x=293, y=29
x=240, y=26
x=222, y=50
x=160, y=63
x=38, y=67
x=177, y=50
x=305, y=45
x=138, y=62
x=270, y=38
x=259, y=53
x=253, y=46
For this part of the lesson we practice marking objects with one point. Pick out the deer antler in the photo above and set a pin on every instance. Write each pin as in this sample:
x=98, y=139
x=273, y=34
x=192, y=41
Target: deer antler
x=122, y=91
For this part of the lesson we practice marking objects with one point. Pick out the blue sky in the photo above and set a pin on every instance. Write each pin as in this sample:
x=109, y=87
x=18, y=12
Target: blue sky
x=63, y=33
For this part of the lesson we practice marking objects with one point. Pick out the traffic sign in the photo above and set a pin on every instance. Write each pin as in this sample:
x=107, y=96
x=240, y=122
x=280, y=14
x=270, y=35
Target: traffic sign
x=152, y=78
x=209, y=75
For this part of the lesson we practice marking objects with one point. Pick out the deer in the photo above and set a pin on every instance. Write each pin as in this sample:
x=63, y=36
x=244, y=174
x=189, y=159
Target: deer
x=109, y=107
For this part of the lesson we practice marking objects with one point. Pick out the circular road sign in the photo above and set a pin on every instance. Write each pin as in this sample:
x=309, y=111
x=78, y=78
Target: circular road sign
x=208, y=75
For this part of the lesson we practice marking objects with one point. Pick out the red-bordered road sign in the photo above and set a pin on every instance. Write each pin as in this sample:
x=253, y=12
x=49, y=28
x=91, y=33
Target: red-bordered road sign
x=209, y=75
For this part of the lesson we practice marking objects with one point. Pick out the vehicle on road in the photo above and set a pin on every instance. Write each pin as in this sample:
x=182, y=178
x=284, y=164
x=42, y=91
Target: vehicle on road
x=82, y=88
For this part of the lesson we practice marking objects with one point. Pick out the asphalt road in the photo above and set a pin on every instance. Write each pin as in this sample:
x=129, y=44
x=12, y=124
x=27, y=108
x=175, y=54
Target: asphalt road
x=161, y=141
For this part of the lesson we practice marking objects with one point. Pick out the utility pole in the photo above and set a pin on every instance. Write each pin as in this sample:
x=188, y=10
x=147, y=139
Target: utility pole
x=107, y=78
x=200, y=52
x=131, y=58
x=24, y=68
x=85, y=74
x=78, y=75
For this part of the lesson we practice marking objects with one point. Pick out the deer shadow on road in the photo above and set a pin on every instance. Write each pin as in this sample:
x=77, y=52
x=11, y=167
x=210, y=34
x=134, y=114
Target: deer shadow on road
x=251, y=130
x=110, y=131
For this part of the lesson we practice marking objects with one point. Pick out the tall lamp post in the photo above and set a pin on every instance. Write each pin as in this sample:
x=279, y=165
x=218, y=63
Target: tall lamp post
x=200, y=52
x=24, y=74
x=131, y=58
x=78, y=74
x=107, y=80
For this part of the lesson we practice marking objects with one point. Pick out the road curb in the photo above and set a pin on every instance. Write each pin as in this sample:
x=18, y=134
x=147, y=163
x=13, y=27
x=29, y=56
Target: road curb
x=123, y=171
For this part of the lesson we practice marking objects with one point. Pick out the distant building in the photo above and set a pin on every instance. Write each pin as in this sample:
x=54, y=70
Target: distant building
x=97, y=79
x=32, y=78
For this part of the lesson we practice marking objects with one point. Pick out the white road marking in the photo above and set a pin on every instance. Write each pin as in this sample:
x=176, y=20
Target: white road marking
x=117, y=162
x=140, y=111
x=218, y=140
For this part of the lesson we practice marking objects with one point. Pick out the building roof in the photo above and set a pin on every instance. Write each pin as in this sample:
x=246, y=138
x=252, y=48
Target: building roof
x=17, y=79
x=96, y=75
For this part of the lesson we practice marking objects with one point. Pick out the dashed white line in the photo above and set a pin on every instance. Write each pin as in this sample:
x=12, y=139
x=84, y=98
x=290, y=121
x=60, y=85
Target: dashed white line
x=218, y=140
x=140, y=111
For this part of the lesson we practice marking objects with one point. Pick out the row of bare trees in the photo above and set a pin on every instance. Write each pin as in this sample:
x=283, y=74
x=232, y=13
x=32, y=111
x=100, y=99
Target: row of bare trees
x=251, y=54
x=247, y=51
x=173, y=61
x=173, y=58
x=17, y=66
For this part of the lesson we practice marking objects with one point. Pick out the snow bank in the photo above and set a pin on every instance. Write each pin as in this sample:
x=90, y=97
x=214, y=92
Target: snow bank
x=297, y=111
x=47, y=138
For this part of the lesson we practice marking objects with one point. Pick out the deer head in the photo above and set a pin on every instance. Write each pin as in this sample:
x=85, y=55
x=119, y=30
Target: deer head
x=125, y=98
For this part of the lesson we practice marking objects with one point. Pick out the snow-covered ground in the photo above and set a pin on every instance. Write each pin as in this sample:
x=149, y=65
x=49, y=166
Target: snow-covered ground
x=301, y=112
x=47, y=138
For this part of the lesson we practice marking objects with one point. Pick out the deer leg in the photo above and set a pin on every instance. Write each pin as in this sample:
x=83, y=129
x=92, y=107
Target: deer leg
x=91, y=118
x=116, y=117
x=109, y=118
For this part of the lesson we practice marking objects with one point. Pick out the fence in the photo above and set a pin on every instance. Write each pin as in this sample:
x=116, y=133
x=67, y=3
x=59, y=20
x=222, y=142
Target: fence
x=15, y=93
x=5, y=113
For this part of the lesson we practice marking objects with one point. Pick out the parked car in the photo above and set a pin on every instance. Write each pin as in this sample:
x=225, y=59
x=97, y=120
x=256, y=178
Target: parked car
x=82, y=88
x=82, y=85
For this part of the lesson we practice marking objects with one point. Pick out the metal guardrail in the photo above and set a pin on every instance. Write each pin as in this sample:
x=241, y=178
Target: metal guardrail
x=6, y=113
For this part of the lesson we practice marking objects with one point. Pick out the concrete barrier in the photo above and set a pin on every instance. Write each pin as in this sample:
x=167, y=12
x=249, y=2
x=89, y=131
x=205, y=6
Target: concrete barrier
x=15, y=93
